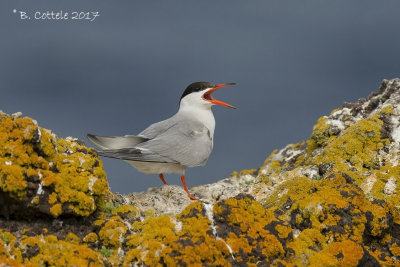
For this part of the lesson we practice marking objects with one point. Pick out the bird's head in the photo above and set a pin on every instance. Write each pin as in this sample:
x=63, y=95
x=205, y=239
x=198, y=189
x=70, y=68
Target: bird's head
x=200, y=94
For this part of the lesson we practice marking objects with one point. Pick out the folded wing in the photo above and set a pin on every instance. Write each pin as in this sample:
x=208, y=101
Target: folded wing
x=116, y=142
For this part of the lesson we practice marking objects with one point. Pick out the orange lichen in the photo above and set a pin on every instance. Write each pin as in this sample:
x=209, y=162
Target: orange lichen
x=9, y=262
x=395, y=249
x=283, y=230
x=345, y=253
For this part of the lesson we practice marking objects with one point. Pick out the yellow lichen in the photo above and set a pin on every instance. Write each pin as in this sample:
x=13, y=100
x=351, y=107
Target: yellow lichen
x=90, y=238
x=68, y=171
x=387, y=110
x=156, y=240
x=54, y=252
x=283, y=230
x=113, y=232
x=56, y=210
x=129, y=209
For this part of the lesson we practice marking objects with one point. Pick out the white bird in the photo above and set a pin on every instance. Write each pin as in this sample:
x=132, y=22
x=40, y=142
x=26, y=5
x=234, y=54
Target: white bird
x=172, y=145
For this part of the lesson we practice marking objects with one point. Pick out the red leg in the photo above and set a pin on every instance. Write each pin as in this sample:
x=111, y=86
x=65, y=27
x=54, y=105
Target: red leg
x=187, y=191
x=162, y=178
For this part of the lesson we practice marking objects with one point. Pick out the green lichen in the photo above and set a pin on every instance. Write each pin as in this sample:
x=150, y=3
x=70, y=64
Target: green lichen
x=110, y=207
x=106, y=252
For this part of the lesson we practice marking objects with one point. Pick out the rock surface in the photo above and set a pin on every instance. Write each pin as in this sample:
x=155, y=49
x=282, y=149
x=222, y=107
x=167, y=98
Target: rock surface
x=332, y=200
x=41, y=175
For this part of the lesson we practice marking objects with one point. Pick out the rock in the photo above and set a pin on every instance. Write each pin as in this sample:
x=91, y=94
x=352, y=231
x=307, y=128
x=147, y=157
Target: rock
x=332, y=200
x=42, y=175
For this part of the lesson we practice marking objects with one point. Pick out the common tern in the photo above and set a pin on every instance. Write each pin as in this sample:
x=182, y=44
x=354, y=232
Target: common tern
x=172, y=145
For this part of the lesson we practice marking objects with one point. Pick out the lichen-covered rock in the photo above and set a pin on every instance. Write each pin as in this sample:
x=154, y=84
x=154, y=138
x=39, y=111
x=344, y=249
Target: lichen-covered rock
x=41, y=174
x=360, y=140
x=332, y=200
x=46, y=250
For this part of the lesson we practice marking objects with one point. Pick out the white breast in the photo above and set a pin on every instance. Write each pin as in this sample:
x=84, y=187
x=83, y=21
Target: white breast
x=192, y=107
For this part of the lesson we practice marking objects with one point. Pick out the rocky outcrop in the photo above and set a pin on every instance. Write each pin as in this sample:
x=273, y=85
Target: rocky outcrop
x=42, y=175
x=332, y=200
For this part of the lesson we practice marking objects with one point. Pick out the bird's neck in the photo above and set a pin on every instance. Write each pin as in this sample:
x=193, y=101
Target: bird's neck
x=202, y=114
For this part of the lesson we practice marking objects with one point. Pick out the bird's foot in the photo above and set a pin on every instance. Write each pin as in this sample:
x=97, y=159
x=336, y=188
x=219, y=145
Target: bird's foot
x=191, y=196
x=186, y=189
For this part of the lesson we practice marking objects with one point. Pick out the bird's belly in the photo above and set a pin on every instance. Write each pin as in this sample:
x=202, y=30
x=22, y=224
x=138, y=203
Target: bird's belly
x=157, y=167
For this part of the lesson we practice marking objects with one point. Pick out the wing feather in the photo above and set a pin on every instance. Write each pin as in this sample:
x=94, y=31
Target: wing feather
x=116, y=142
x=187, y=142
x=135, y=154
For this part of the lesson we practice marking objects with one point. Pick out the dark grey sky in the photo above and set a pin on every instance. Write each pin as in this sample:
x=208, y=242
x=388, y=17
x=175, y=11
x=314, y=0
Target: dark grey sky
x=293, y=61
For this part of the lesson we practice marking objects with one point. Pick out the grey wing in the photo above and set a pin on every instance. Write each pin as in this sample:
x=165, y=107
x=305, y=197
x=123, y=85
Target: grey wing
x=115, y=142
x=186, y=142
x=158, y=128
x=135, y=154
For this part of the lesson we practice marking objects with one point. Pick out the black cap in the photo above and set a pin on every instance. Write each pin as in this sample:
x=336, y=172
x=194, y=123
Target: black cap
x=196, y=87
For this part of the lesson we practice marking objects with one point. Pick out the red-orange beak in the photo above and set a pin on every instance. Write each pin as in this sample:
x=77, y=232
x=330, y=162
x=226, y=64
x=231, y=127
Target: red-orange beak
x=208, y=97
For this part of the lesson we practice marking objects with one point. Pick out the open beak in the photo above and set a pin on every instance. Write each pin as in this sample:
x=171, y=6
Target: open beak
x=208, y=97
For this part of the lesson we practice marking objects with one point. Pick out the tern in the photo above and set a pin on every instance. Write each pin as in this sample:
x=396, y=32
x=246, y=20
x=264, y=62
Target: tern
x=170, y=146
